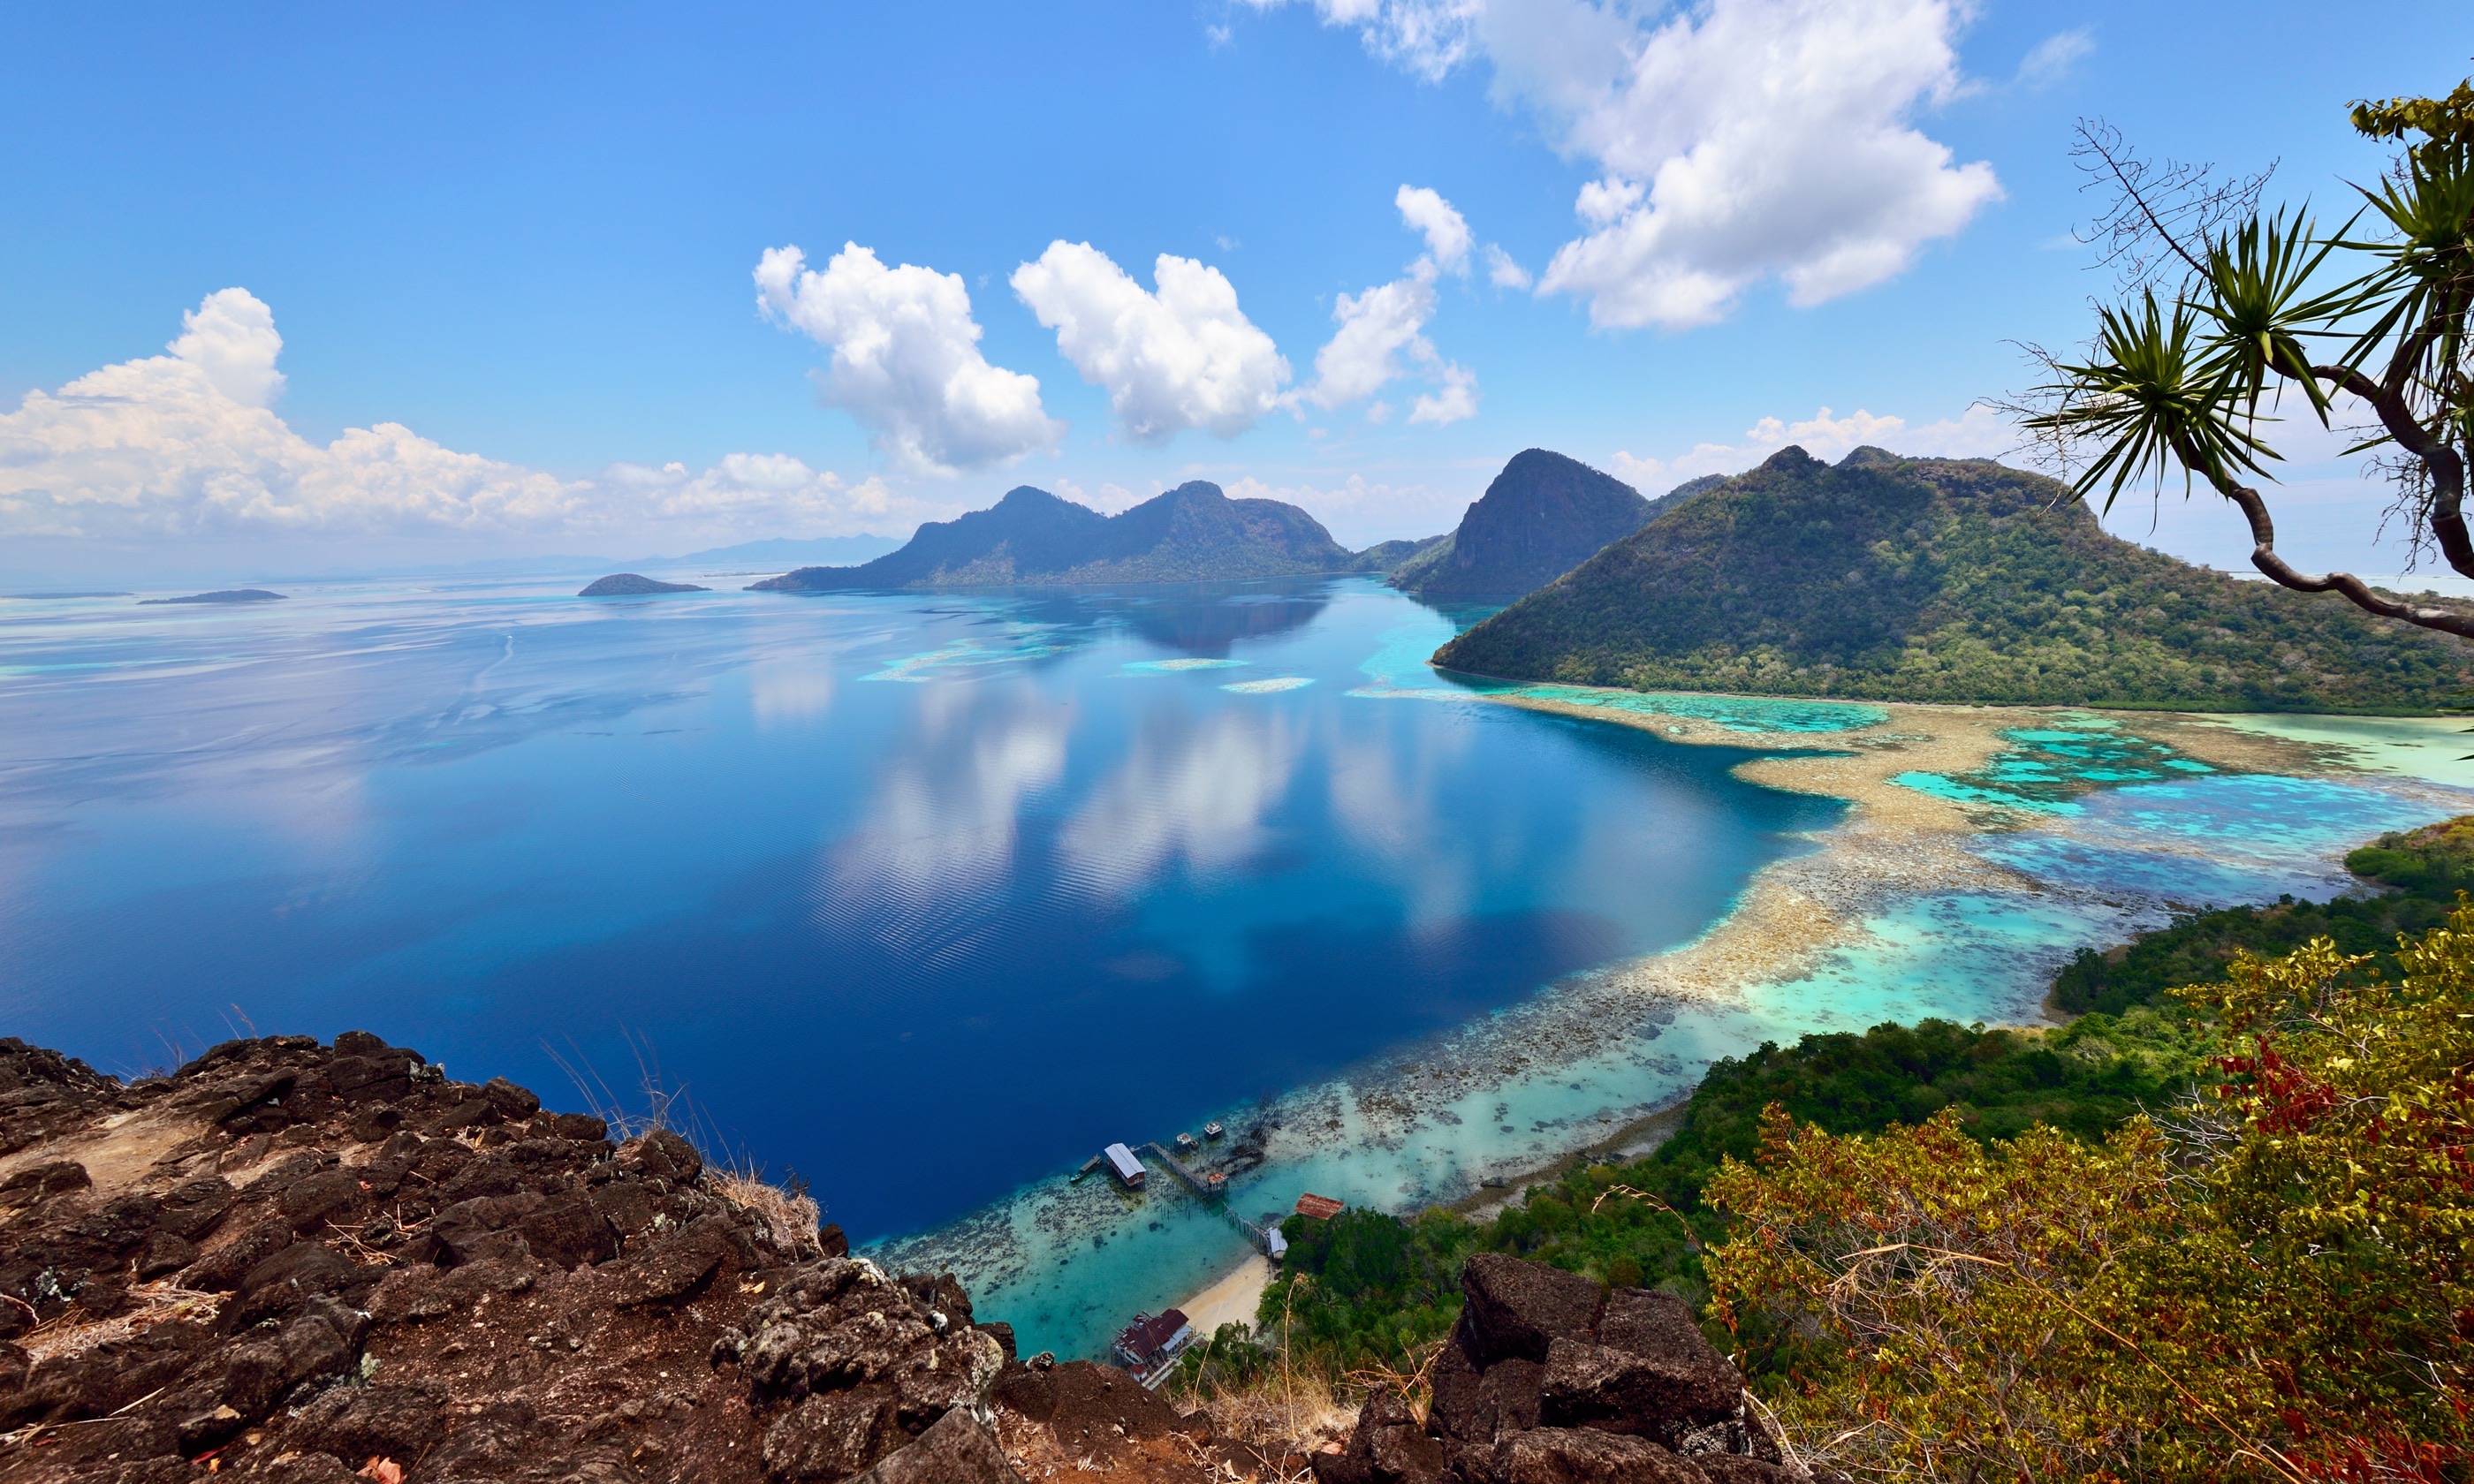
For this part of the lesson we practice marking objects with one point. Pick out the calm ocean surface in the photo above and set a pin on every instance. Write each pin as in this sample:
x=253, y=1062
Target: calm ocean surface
x=921, y=897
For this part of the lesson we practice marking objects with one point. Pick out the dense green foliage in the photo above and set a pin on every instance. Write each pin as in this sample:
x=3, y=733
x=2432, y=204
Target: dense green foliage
x=1942, y=580
x=2424, y=870
x=1368, y=1290
x=2272, y=1282
x=1392, y=558
x=1374, y=1287
x=1433, y=555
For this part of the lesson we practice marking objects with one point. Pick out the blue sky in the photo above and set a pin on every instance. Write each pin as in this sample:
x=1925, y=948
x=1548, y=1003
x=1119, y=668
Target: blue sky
x=522, y=244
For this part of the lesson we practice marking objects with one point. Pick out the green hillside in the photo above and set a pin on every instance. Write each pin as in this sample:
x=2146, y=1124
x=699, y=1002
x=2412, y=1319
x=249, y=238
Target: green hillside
x=1543, y=516
x=1393, y=556
x=1939, y=580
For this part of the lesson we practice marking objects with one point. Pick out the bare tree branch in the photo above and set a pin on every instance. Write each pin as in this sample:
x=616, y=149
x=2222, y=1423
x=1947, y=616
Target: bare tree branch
x=2161, y=211
x=2263, y=556
x=2441, y=465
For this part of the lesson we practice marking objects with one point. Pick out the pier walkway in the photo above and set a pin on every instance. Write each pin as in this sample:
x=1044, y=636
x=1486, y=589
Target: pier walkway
x=1191, y=1180
x=1263, y=1239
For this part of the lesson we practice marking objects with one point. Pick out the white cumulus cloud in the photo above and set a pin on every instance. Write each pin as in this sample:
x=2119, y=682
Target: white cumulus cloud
x=1447, y=230
x=1977, y=433
x=1382, y=330
x=1454, y=398
x=1183, y=357
x=1502, y=271
x=905, y=359
x=1425, y=37
x=183, y=447
x=230, y=338
x=1375, y=327
x=1737, y=140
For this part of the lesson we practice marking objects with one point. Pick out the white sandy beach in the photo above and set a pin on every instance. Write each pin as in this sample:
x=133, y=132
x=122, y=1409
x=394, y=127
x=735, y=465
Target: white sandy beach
x=1232, y=1300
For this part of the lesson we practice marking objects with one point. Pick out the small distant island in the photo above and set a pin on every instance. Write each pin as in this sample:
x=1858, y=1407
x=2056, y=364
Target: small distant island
x=629, y=585
x=221, y=595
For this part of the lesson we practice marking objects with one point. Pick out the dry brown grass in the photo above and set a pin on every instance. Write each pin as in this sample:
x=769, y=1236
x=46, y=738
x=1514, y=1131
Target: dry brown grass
x=788, y=1218
x=150, y=1305
x=1281, y=1407
x=1276, y=1411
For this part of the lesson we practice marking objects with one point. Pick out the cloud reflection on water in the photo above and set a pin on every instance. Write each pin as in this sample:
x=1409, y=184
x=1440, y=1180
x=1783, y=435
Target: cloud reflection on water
x=1187, y=793
x=943, y=822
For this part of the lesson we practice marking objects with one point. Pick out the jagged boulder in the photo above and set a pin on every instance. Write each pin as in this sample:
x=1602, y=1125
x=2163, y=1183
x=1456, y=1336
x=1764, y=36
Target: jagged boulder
x=1649, y=1373
x=1549, y=1379
x=1584, y=1455
x=340, y=1258
x=1386, y=1447
x=1517, y=1310
x=959, y=1449
x=1480, y=1406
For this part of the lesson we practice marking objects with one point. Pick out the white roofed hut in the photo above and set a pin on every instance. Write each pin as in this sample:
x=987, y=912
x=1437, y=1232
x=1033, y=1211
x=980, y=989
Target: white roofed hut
x=1128, y=1169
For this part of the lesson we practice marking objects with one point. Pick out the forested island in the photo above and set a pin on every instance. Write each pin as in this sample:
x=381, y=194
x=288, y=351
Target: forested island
x=1937, y=580
x=1194, y=532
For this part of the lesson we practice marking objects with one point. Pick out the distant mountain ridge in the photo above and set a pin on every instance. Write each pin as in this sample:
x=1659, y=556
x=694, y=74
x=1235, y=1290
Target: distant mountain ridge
x=1942, y=580
x=1194, y=532
x=782, y=549
x=1543, y=516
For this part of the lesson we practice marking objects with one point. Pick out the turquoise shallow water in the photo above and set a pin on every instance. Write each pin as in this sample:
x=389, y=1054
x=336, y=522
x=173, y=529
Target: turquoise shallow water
x=2118, y=832
x=920, y=897
x=2045, y=769
x=927, y=897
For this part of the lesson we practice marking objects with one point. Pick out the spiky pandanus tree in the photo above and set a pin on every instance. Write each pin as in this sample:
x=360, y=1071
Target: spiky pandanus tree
x=2227, y=310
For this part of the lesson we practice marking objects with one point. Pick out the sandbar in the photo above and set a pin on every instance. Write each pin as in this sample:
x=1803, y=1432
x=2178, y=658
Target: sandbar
x=1897, y=841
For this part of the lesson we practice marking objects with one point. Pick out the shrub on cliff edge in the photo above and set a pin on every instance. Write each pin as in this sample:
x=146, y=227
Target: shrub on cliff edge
x=2275, y=1282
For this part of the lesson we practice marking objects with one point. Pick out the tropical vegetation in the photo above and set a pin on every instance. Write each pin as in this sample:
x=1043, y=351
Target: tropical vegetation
x=2193, y=1233
x=2230, y=314
x=1956, y=580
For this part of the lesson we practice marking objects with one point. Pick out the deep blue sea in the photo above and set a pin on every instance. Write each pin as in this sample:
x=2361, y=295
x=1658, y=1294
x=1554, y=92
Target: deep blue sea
x=921, y=897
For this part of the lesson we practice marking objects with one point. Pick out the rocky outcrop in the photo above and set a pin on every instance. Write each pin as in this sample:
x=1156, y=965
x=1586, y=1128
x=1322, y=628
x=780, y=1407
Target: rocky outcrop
x=310, y=1262
x=1549, y=1379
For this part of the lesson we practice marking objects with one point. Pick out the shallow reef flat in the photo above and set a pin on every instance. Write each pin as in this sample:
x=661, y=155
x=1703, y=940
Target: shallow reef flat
x=1942, y=799
x=1979, y=848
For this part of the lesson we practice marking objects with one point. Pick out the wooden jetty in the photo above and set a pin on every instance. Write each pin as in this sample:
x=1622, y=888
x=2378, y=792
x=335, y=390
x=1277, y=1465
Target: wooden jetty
x=1213, y=1188
x=1210, y=1187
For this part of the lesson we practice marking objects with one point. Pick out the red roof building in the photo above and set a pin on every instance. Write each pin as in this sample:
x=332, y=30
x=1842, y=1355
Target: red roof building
x=1322, y=1207
x=1149, y=1340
